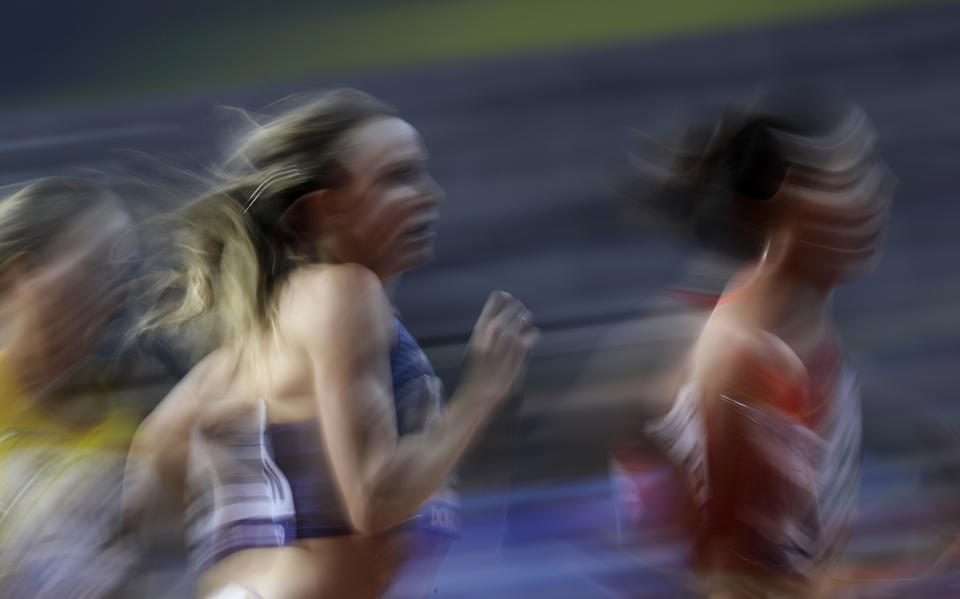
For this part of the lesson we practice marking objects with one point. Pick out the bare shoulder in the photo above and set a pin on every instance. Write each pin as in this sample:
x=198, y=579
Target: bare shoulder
x=752, y=363
x=334, y=299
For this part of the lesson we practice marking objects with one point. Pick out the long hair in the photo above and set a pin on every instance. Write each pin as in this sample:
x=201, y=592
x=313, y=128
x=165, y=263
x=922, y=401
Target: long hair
x=227, y=252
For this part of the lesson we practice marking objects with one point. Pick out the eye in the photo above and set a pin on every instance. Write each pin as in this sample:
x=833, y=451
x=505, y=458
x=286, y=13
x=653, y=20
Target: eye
x=404, y=174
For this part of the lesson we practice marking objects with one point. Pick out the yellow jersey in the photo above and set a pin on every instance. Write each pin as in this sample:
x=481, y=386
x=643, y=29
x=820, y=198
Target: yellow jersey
x=60, y=498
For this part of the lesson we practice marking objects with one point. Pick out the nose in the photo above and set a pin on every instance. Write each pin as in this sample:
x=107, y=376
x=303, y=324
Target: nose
x=433, y=191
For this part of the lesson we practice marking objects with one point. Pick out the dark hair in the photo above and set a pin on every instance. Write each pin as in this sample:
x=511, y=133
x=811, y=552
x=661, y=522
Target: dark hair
x=716, y=182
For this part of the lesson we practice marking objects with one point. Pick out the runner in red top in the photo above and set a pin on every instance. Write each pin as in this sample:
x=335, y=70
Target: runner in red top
x=766, y=427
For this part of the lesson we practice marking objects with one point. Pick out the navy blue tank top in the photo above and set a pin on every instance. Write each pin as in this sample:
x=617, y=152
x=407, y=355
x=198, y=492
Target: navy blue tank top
x=273, y=485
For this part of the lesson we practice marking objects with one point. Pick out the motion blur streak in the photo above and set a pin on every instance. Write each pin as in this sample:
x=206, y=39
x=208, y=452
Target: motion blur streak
x=531, y=127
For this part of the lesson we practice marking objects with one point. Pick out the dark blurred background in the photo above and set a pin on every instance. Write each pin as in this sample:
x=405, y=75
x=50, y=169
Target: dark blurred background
x=526, y=107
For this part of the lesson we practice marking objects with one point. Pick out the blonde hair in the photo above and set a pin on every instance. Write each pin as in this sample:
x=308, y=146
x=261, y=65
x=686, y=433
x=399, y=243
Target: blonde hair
x=33, y=219
x=228, y=252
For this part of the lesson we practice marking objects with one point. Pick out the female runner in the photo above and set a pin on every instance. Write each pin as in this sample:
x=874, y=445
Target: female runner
x=766, y=428
x=310, y=441
x=64, y=255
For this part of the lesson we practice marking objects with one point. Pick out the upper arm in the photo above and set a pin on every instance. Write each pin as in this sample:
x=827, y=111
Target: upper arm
x=157, y=460
x=759, y=473
x=752, y=367
x=345, y=325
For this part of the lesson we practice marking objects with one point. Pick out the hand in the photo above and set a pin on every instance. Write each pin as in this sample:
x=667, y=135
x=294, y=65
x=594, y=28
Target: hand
x=500, y=346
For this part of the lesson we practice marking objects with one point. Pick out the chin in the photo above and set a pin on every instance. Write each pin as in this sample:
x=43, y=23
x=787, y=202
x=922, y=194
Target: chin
x=855, y=272
x=840, y=272
x=423, y=252
x=421, y=258
x=412, y=260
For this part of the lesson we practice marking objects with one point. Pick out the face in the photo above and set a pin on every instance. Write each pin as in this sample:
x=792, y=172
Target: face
x=68, y=295
x=384, y=217
x=836, y=216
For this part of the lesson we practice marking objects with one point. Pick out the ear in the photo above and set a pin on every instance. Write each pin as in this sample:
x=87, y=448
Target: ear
x=310, y=202
x=310, y=211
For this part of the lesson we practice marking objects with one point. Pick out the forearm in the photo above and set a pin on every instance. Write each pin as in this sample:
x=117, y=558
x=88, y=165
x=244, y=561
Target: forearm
x=423, y=461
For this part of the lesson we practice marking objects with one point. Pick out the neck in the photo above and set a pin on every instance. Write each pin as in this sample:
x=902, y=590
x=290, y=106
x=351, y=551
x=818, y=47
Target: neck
x=794, y=308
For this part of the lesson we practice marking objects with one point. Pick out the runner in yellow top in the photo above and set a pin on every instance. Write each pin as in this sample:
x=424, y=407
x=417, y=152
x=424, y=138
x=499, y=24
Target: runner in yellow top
x=62, y=445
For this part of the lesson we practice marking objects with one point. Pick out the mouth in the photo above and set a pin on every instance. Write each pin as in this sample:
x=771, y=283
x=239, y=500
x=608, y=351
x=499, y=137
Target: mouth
x=422, y=230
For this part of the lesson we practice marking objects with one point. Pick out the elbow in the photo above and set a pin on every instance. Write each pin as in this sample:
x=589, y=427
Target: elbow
x=362, y=516
x=371, y=513
x=367, y=518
